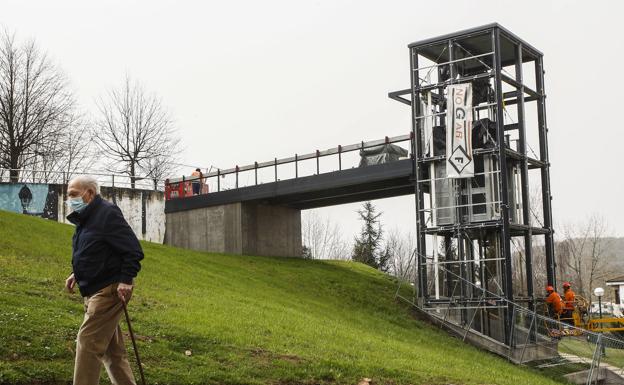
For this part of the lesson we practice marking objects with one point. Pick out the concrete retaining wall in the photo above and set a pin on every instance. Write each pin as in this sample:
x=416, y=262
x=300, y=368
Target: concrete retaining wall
x=206, y=229
x=237, y=228
x=143, y=209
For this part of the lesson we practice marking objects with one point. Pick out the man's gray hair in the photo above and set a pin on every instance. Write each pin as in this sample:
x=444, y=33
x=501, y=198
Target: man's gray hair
x=87, y=182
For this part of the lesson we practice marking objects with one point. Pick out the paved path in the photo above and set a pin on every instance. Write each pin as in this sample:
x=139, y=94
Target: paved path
x=584, y=360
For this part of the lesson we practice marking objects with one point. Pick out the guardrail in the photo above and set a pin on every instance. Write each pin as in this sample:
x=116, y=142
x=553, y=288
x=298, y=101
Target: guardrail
x=534, y=335
x=63, y=177
x=182, y=187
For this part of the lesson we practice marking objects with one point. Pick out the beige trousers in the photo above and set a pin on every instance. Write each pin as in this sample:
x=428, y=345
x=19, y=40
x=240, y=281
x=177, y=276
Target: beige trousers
x=100, y=341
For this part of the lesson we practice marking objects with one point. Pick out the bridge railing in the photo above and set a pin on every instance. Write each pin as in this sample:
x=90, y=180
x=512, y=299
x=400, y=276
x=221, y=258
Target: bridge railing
x=216, y=180
x=32, y=175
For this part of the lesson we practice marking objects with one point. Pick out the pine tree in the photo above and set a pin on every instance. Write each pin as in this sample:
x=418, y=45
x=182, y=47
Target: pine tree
x=306, y=252
x=367, y=247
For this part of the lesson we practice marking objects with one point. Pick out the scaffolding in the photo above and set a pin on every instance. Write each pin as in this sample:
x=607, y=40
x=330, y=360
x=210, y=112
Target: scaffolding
x=578, y=354
x=486, y=233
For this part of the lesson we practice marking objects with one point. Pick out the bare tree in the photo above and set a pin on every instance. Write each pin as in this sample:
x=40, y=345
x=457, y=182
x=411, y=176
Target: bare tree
x=45, y=161
x=160, y=167
x=134, y=131
x=78, y=154
x=540, y=276
x=598, y=262
x=401, y=248
x=66, y=153
x=582, y=254
x=518, y=260
x=36, y=104
x=536, y=208
x=322, y=238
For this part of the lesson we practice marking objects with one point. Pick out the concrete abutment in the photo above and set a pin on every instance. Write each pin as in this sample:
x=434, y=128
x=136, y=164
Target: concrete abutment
x=242, y=228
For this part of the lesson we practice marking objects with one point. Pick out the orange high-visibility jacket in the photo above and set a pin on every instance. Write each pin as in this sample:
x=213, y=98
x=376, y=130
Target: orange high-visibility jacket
x=569, y=299
x=197, y=174
x=554, y=299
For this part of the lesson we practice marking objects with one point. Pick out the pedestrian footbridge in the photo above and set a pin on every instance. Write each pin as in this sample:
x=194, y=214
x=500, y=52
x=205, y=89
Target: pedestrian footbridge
x=264, y=217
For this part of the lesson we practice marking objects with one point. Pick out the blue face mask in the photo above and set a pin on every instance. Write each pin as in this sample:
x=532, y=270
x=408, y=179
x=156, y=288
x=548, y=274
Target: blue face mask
x=76, y=204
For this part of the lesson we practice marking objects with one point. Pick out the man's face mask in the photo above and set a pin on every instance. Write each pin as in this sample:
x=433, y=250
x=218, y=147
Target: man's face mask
x=76, y=204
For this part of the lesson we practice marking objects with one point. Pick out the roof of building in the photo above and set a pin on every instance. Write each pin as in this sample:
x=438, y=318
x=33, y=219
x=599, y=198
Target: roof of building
x=616, y=280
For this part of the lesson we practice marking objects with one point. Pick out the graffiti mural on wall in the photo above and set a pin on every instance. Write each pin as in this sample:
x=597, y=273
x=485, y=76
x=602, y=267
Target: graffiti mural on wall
x=35, y=199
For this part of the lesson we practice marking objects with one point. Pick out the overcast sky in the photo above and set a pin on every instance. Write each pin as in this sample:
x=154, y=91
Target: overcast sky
x=253, y=80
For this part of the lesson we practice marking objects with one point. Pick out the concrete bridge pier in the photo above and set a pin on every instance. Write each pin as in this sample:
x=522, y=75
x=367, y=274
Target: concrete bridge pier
x=243, y=228
x=265, y=219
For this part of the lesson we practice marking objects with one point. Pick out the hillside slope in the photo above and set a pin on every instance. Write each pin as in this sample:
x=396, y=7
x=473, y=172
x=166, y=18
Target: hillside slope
x=246, y=320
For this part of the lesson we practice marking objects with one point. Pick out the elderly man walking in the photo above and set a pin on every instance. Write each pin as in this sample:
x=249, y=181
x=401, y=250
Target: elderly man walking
x=105, y=261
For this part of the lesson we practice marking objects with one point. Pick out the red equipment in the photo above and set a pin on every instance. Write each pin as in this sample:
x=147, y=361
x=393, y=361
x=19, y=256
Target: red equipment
x=178, y=188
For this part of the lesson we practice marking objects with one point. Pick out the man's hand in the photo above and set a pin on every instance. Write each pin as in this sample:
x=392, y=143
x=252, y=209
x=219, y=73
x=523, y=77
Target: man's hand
x=70, y=282
x=124, y=291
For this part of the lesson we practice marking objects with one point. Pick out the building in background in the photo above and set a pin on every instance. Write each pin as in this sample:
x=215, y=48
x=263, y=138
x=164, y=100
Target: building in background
x=618, y=285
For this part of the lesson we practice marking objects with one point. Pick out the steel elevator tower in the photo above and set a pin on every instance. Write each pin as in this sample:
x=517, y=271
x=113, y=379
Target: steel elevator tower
x=493, y=228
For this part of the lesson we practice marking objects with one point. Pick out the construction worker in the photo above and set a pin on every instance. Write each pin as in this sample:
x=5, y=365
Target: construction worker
x=197, y=181
x=568, y=303
x=554, y=302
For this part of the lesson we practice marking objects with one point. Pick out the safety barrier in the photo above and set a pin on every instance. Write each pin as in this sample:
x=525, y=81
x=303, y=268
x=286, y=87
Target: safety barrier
x=62, y=177
x=581, y=355
x=182, y=187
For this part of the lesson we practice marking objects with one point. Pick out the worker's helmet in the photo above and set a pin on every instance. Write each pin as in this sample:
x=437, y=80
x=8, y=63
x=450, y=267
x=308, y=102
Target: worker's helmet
x=550, y=288
x=566, y=284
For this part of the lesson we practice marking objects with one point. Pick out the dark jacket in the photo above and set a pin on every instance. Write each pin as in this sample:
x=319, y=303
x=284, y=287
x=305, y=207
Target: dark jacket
x=105, y=249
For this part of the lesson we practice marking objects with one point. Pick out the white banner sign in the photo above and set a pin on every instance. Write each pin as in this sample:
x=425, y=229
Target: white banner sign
x=459, y=162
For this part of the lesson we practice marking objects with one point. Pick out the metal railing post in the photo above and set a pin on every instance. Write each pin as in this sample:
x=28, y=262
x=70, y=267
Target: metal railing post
x=296, y=166
x=474, y=314
x=276, y=169
x=511, y=330
x=236, y=176
x=339, y=158
x=528, y=336
x=256, y=172
x=595, y=361
x=317, y=162
x=218, y=180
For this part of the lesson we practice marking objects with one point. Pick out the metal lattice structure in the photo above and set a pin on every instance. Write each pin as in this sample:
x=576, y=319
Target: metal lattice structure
x=483, y=228
x=577, y=354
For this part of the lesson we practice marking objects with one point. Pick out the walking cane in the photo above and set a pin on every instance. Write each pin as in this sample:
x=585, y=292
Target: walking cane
x=136, y=352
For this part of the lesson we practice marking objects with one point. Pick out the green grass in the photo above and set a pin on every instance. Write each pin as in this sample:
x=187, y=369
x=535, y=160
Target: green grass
x=247, y=320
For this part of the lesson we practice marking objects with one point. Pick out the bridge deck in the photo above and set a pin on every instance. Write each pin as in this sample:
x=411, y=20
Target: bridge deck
x=327, y=189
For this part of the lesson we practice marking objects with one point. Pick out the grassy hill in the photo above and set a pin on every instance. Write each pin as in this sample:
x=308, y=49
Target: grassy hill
x=247, y=320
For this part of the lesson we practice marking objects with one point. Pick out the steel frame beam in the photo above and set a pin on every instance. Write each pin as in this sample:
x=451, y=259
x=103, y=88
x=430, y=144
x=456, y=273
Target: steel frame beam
x=505, y=239
x=545, y=172
x=524, y=176
x=505, y=157
x=421, y=245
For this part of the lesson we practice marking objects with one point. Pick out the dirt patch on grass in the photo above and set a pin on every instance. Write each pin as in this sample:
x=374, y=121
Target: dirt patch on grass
x=138, y=337
x=266, y=357
x=300, y=382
